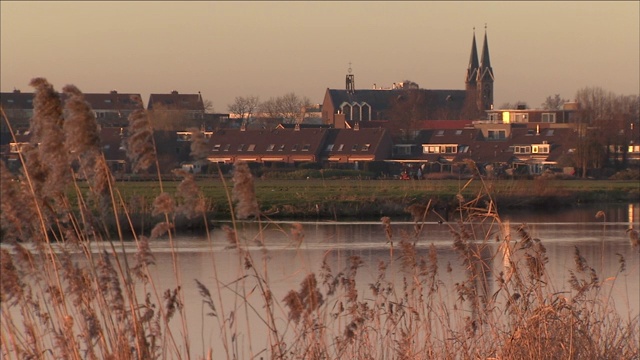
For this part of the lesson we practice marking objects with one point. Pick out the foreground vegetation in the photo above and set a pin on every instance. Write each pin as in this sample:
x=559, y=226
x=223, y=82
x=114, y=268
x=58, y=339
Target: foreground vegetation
x=63, y=299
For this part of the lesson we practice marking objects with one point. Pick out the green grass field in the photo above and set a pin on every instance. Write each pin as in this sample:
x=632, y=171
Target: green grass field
x=331, y=198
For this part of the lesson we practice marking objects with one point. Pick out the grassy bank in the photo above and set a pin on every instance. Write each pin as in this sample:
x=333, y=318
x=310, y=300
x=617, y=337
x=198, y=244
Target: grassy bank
x=370, y=199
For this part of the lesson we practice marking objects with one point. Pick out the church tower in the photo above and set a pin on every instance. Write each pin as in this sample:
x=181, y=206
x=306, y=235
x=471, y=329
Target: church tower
x=485, y=78
x=350, y=82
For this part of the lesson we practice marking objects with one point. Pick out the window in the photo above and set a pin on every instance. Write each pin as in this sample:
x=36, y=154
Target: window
x=271, y=147
x=354, y=147
x=497, y=134
x=458, y=132
x=450, y=149
x=281, y=147
x=251, y=147
x=520, y=118
x=548, y=117
x=440, y=133
x=431, y=149
x=294, y=147
x=226, y=147
x=494, y=117
x=463, y=148
x=540, y=149
x=329, y=147
x=15, y=147
x=522, y=149
x=241, y=147
x=340, y=147
x=402, y=149
x=306, y=147
x=216, y=147
x=366, y=147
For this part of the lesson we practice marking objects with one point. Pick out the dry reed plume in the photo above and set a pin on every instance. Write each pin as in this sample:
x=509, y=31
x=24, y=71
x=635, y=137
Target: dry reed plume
x=244, y=193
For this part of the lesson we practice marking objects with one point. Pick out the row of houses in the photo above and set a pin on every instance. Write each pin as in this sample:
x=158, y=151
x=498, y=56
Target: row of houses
x=518, y=148
x=111, y=108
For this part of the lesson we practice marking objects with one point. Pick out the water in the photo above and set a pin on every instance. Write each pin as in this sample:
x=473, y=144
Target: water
x=285, y=262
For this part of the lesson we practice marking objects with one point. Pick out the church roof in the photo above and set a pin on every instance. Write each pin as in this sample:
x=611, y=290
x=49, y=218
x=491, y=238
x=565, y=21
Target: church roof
x=384, y=99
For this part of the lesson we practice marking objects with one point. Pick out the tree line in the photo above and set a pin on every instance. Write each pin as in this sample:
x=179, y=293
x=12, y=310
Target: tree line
x=290, y=108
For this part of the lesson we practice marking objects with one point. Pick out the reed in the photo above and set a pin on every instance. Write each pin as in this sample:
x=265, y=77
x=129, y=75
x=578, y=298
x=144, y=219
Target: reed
x=69, y=290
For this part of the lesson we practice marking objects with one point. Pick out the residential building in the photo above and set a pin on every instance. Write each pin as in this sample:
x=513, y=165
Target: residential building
x=187, y=106
x=110, y=109
x=542, y=117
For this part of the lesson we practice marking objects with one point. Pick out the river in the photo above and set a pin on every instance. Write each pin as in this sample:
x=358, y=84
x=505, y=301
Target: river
x=283, y=258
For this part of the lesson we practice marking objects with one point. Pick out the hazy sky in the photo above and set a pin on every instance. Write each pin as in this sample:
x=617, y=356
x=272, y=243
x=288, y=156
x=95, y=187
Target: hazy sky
x=267, y=49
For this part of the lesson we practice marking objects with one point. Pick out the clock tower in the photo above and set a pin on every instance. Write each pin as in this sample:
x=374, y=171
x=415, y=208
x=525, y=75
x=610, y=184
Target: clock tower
x=485, y=78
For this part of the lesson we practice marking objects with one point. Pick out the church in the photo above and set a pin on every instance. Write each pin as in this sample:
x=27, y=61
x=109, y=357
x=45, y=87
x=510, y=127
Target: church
x=351, y=107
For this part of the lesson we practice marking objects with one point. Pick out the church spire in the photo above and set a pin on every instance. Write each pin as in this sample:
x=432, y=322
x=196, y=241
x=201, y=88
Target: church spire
x=485, y=77
x=485, y=62
x=472, y=70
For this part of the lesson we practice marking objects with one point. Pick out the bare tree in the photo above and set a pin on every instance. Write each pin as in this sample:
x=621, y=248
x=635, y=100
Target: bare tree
x=165, y=118
x=270, y=109
x=292, y=108
x=553, y=103
x=604, y=121
x=244, y=107
x=208, y=106
x=406, y=112
x=508, y=105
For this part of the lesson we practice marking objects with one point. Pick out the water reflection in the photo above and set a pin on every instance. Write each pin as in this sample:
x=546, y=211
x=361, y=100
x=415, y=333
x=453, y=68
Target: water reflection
x=285, y=262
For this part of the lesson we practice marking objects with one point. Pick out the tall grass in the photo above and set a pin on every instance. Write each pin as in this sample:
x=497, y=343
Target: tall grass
x=69, y=291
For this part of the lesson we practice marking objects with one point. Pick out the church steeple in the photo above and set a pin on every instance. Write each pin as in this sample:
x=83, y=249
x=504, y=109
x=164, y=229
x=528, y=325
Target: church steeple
x=485, y=78
x=472, y=70
x=485, y=62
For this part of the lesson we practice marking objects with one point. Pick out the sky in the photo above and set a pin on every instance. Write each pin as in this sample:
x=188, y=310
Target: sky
x=226, y=49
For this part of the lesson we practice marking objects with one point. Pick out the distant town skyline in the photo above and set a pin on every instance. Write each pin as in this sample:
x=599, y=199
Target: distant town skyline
x=267, y=49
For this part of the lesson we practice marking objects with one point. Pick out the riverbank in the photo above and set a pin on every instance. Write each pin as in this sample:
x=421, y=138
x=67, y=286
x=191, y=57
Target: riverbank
x=317, y=199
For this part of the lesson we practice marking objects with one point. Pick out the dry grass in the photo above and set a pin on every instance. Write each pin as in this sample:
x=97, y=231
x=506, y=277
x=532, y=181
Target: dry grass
x=63, y=299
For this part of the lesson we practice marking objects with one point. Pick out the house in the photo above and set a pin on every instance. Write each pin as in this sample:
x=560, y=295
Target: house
x=356, y=146
x=11, y=146
x=18, y=107
x=267, y=146
x=352, y=105
x=188, y=106
x=112, y=141
x=491, y=146
x=113, y=108
x=110, y=109
x=542, y=117
x=298, y=145
x=437, y=149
